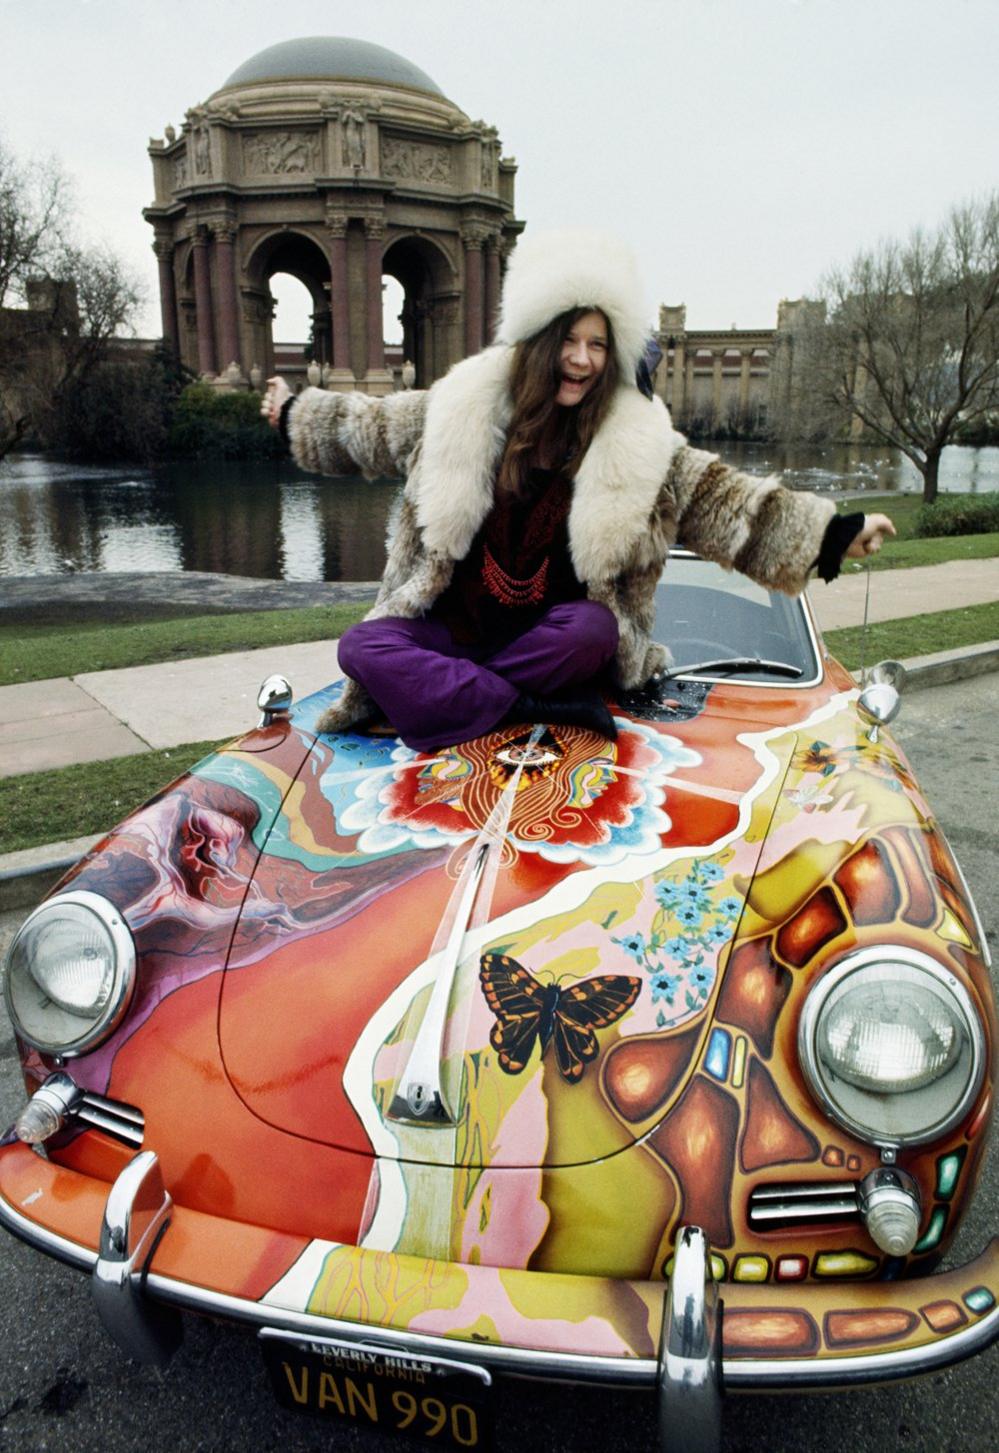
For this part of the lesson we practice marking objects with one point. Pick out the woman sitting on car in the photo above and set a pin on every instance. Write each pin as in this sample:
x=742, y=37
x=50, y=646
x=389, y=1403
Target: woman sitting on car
x=545, y=487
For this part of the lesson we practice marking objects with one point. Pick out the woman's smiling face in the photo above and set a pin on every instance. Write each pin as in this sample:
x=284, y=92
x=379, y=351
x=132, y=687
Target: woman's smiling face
x=582, y=359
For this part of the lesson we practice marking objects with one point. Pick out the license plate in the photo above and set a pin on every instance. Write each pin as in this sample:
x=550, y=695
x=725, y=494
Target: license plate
x=442, y=1401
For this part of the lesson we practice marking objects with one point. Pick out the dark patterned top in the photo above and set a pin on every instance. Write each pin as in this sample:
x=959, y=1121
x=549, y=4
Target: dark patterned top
x=518, y=565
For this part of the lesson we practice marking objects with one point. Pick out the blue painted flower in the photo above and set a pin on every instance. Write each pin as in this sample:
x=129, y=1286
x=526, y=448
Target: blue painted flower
x=664, y=986
x=679, y=947
x=693, y=892
x=710, y=873
x=634, y=946
x=718, y=933
x=667, y=895
x=690, y=915
x=731, y=907
x=702, y=978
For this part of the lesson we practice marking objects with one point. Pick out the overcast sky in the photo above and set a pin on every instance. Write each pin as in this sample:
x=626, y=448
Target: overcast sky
x=741, y=146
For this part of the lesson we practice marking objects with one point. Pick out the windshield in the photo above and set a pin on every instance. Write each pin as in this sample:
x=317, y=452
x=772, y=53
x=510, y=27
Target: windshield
x=705, y=614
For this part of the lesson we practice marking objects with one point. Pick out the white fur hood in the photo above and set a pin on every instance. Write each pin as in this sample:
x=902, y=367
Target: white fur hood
x=575, y=267
x=615, y=489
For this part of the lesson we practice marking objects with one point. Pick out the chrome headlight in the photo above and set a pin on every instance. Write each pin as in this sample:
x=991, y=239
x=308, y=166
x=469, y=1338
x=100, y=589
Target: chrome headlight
x=70, y=974
x=892, y=1045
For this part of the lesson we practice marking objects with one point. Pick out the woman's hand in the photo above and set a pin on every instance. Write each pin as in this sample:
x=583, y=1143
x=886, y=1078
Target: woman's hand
x=871, y=537
x=277, y=395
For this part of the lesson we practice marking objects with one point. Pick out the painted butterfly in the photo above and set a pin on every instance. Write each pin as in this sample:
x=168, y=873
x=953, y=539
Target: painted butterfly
x=527, y=1011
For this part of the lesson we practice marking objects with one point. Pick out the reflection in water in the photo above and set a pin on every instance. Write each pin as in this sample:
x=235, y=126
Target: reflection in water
x=856, y=468
x=269, y=521
x=264, y=520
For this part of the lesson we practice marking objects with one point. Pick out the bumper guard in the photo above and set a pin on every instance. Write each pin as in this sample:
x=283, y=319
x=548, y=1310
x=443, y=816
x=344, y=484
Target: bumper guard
x=149, y=1259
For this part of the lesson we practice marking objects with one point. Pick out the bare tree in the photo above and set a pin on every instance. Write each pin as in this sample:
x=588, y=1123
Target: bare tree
x=909, y=350
x=60, y=302
x=33, y=200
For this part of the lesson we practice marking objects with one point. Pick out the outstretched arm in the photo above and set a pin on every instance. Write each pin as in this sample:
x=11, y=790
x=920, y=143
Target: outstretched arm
x=775, y=535
x=332, y=433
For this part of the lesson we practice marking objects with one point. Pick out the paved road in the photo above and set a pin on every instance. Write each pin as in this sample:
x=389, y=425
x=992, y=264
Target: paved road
x=62, y=1383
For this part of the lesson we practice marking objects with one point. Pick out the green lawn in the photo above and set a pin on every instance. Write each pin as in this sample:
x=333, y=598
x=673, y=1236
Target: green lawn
x=905, y=550
x=942, y=630
x=35, y=653
x=45, y=807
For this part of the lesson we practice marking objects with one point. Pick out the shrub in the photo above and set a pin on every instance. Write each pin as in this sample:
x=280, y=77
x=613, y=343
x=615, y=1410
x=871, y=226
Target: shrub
x=120, y=410
x=211, y=425
x=965, y=514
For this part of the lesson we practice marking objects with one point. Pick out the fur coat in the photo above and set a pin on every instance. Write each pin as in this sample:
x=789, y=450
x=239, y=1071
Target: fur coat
x=639, y=491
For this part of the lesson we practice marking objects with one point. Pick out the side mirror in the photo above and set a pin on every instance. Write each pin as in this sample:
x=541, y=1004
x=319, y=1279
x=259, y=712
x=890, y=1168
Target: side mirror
x=274, y=699
x=881, y=695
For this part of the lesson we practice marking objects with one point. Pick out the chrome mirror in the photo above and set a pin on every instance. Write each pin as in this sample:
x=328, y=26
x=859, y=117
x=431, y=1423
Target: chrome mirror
x=881, y=700
x=888, y=673
x=274, y=699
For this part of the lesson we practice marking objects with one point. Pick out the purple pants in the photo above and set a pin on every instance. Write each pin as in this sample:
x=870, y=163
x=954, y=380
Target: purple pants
x=435, y=691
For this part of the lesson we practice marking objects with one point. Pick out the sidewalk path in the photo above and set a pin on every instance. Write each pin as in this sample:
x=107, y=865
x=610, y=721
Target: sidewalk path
x=897, y=593
x=102, y=714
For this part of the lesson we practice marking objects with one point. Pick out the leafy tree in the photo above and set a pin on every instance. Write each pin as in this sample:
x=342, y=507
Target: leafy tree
x=909, y=349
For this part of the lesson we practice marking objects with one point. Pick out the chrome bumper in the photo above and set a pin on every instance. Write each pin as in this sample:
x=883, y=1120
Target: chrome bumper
x=134, y=1302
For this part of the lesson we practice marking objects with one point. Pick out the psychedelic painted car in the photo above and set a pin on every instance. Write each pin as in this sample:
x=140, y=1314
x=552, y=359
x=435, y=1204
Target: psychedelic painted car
x=663, y=1062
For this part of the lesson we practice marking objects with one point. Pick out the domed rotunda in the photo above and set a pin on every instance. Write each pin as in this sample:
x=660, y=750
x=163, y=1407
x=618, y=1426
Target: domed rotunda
x=339, y=162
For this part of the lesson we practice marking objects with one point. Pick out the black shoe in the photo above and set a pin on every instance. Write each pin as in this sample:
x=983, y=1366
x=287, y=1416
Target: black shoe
x=575, y=706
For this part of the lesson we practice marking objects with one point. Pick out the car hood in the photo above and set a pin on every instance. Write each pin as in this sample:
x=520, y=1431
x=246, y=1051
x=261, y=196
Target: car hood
x=581, y=901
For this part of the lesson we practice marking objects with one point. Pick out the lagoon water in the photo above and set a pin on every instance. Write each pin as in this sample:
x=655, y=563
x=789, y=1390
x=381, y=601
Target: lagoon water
x=270, y=521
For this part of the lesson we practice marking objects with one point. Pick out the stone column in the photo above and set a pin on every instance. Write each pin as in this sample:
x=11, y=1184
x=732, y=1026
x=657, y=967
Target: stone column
x=374, y=234
x=225, y=236
x=492, y=286
x=378, y=379
x=203, y=303
x=745, y=364
x=716, y=383
x=473, y=238
x=446, y=313
x=342, y=380
x=163, y=248
x=678, y=398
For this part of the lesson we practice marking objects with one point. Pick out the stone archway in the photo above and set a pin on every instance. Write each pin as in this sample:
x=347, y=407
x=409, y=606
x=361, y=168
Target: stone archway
x=430, y=284
x=301, y=255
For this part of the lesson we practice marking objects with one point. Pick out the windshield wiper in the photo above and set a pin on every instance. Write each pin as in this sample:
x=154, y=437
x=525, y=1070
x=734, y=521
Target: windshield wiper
x=735, y=663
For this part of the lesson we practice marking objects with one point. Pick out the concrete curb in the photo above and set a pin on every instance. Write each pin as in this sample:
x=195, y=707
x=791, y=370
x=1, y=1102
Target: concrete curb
x=26, y=876
x=942, y=667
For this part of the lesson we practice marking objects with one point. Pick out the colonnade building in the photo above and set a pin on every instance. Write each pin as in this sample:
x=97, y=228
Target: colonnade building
x=339, y=162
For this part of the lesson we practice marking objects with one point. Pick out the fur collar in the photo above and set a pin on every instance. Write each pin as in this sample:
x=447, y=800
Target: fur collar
x=618, y=483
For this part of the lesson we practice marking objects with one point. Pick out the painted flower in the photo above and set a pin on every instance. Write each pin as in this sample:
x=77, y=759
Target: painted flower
x=718, y=933
x=730, y=907
x=809, y=797
x=702, y=978
x=634, y=946
x=710, y=872
x=679, y=948
x=690, y=915
x=694, y=893
x=664, y=986
x=667, y=894
x=819, y=757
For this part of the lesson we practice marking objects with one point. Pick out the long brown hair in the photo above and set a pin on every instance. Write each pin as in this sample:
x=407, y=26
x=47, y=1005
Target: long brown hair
x=540, y=428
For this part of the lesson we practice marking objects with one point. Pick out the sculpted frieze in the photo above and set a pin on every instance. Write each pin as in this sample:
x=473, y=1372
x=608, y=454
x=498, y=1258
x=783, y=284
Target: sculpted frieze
x=415, y=161
x=280, y=153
